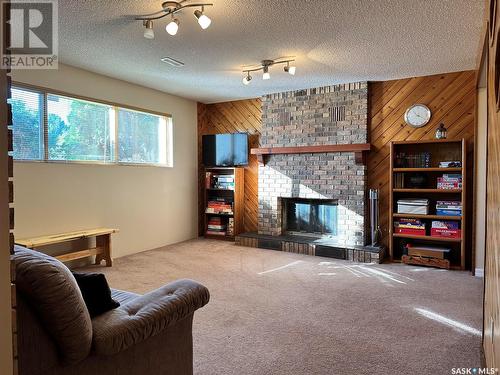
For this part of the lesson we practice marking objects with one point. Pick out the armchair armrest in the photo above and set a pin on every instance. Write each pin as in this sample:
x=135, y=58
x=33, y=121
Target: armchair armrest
x=147, y=315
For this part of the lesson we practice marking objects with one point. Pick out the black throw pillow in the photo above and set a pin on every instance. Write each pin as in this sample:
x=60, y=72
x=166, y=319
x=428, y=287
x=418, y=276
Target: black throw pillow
x=96, y=293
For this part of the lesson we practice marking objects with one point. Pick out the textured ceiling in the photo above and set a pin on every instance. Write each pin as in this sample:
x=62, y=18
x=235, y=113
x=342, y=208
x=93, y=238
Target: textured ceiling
x=333, y=41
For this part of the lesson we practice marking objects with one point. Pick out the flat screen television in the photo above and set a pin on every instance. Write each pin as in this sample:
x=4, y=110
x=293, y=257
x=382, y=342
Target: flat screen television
x=225, y=150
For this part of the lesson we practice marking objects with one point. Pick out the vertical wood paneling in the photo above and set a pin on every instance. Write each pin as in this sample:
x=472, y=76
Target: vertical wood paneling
x=452, y=100
x=491, y=324
x=231, y=117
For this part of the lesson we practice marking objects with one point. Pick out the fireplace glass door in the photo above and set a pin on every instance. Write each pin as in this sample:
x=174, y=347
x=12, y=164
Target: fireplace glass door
x=310, y=216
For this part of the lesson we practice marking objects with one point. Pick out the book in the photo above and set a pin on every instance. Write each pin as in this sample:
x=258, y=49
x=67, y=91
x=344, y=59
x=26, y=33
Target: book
x=427, y=251
x=208, y=180
x=445, y=224
x=450, y=164
x=445, y=229
x=449, y=181
x=215, y=233
x=413, y=232
x=410, y=226
x=448, y=204
x=448, y=212
x=447, y=233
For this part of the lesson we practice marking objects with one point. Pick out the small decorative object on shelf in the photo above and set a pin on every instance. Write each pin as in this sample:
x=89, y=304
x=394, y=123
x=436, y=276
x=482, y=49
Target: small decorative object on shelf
x=441, y=132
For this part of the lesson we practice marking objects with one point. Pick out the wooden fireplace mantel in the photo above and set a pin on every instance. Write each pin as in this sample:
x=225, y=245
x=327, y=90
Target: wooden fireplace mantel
x=359, y=150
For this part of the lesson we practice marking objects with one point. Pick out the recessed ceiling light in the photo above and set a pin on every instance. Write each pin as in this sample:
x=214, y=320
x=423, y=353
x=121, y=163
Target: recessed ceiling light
x=172, y=61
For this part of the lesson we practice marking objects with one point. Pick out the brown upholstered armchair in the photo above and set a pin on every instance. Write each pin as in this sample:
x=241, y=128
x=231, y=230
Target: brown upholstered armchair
x=147, y=334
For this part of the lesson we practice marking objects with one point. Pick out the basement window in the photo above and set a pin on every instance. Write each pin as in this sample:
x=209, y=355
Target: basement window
x=59, y=128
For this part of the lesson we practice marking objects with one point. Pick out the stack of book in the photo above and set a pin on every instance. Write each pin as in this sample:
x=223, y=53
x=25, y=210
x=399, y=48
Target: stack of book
x=223, y=181
x=449, y=208
x=410, y=226
x=399, y=180
x=216, y=227
x=448, y=229
x=427, y=251
x=219, y=206
x=230, y=227
x=413, y=160
x=413, y=206
x=449, y=181
x=450, y=164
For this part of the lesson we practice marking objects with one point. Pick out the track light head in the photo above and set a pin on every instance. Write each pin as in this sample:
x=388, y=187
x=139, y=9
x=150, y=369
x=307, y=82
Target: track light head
x=203, y=20
x=149, y=33
x=172, y=26
x=266, y=74
x=247, y=79
x=290, y=69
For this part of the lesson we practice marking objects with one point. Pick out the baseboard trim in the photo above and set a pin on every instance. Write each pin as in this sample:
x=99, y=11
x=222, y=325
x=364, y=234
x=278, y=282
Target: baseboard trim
x=479, y=272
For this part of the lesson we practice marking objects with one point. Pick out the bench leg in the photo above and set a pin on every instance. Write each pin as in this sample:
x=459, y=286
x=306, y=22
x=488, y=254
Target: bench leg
x=104, y=242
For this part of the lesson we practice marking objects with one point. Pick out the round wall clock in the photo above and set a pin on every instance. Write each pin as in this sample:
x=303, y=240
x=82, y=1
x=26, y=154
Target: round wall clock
x=417, y=115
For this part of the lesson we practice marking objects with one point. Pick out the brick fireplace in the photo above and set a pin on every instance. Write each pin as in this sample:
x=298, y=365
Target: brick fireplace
x=309, y=119
x=326, y=115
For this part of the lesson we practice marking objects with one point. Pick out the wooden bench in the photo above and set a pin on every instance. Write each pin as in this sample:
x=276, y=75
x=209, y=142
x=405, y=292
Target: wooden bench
x=102, y=250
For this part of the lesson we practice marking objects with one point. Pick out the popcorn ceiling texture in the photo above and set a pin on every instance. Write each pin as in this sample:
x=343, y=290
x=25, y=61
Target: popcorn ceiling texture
x=311, y=118
x=333, y=41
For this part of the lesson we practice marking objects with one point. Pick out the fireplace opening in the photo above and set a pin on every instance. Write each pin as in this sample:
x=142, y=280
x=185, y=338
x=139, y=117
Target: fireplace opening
x=317, y=217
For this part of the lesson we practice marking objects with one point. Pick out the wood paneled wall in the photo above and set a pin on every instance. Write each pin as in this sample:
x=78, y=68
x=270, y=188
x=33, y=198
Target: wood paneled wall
x=232, y=117
x=491, y=324
x=452, y=100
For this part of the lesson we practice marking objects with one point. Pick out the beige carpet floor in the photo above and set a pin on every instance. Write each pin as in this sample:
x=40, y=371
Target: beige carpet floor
x=278, y=313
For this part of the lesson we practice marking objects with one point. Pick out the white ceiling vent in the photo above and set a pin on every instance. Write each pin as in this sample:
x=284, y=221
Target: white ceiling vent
x=172, y=61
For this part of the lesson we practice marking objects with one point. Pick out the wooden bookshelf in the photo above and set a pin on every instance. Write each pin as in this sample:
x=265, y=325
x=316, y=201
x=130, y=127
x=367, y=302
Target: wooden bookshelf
x=439, y=150
x=234, y=196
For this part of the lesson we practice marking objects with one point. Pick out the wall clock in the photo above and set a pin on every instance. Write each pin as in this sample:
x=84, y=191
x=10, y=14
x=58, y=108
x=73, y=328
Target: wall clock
x=417, y=115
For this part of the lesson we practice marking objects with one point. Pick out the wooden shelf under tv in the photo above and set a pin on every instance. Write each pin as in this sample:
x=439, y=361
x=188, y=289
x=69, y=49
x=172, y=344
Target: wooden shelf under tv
x=440, y=150
x=237, y=195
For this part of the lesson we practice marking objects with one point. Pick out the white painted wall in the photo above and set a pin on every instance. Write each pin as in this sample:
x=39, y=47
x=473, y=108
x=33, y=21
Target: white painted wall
x=151, y=206
x=481, y=146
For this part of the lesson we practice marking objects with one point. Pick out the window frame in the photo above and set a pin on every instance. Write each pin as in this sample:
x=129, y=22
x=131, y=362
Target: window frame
x=45, y=92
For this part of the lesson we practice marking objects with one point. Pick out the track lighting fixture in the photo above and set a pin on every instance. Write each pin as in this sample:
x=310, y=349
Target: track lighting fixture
x=203, y=20
x=172, y=26
x=149, y=33
x=264, y=66
x=171, y=8
x=247, y=79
